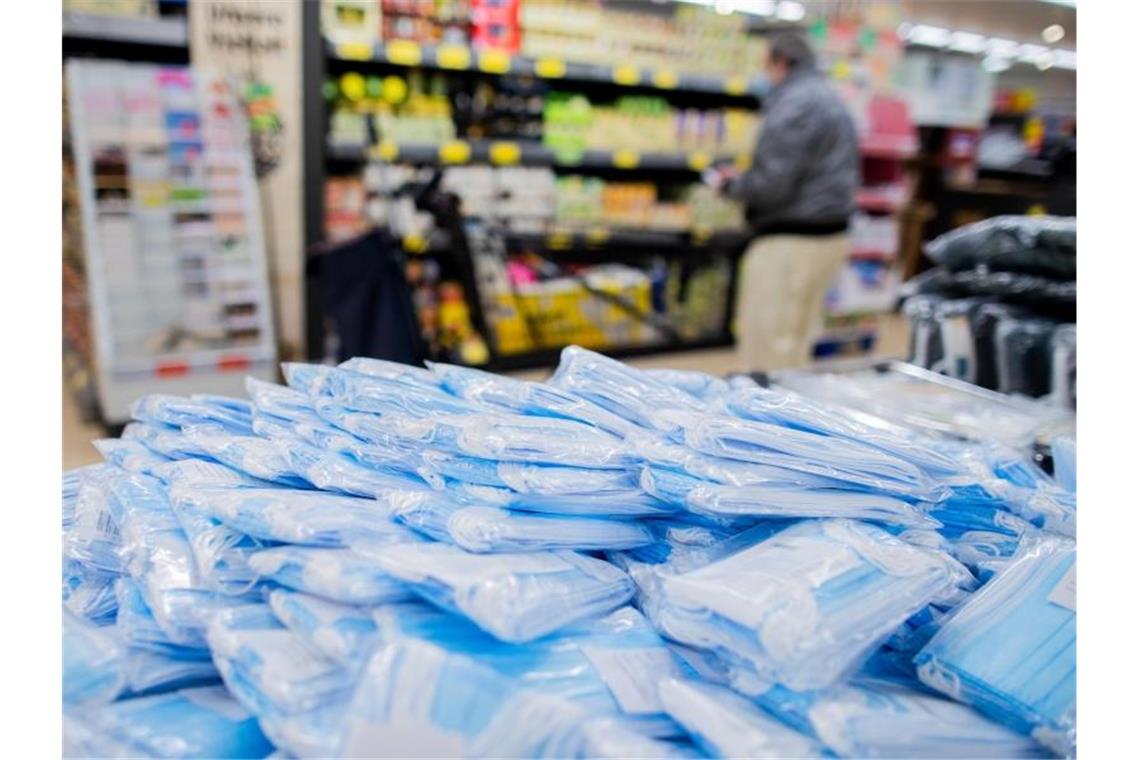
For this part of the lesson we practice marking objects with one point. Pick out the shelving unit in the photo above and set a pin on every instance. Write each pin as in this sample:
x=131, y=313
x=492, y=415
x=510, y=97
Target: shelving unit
x=164, y=39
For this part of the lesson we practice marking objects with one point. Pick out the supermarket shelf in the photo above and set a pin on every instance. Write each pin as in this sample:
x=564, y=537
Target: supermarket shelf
x=168, y=32
x=872, y=254
x=877, y=202
x=599, y=238
x=526, y=153
x=463, y=58
x=548, y=357
x=893, y=147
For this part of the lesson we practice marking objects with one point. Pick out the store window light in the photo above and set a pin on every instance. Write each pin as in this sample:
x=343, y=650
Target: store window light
x=1053, y=33
x=930, y=36
x=790, y=11
x=967, y=42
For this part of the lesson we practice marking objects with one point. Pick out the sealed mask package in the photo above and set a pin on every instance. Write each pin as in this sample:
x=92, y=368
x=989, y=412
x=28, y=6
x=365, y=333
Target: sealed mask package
x=250, y=454
x=698, y=384
x=383, y=396
x=340, y=575
x=94, y=663
x=129, y=455
x=515, y=597
x=343, y=633
x=1010, y=651
x=200, y=722
x=169, y=441
x=89, y=593
x=306, y=378
x=221, y=554
x=1065, y=461
x=332, y=471
x=786, y=603
x=205, y=474
x=405, y=374
x=278, y=401
x=231, y=414
x=94, y=538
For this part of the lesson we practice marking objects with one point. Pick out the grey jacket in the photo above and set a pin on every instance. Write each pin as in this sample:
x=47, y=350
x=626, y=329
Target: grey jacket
x=806, y=167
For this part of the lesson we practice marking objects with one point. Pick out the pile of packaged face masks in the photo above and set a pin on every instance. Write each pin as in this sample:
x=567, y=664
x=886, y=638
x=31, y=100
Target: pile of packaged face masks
x=383, y=560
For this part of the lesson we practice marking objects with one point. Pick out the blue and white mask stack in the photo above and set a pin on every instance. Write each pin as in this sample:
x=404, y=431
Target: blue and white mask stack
x=384, y=560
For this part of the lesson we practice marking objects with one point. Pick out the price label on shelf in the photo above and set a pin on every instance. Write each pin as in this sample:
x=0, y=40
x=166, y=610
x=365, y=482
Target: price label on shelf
x=701, y=234
x=559, y=239
x=666, y=79
x=626, y=159
x=455, y=152
x=505, y=153
x=736, y=85
x=455, y=57
x=550, y=68
x=354, y=51
x=385, y=150
x=699, y=160
x=494, y=62
x=415, y=243
x=404, y=52
x=597, y=236
x=627, y=75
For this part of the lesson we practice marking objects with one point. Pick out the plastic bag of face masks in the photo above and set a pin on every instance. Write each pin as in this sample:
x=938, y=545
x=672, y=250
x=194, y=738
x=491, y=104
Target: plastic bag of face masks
x=166, y=440
x=405, y=374
x=700, y=385
x=129, y=455
x=311, y=518
x=415, y=698
x=400, y=459
x=784, y=604
x=158, y=408
x=221, y=554
x=201, y=722
x=609, y=666
x=94, y=538
x=382, y=396
x=619, y=389
x=524, y=397
x=726, y=724
x=1065, y=461
x=330, y=471
x=250, y=454
x=89, y=593
x=278, y=401
x=341, y=632
x=94, y=663
x=202, y=473
x=479, y=528
x=1011, y=650
x=273, y=665
x=340, y=575
x=775, y=500
x=514, y=597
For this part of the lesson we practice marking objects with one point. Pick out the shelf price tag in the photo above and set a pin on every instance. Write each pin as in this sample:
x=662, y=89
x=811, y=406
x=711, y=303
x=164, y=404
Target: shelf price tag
x=385, y=150
x=666, y=79
x=550, y=68
x=404, y=53
x=454, y=152
x=558, y=239
x=627, y=75
x=415, y=243
x=504, y=153
x=626, y=159
x=354, y=51
x=455, y=57
x=596, y=236
x=701, y=234
x=699, y=160
x=494, y=62
x=736, y=85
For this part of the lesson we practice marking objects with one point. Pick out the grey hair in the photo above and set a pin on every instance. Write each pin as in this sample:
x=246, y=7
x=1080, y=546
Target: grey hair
x=792, y=47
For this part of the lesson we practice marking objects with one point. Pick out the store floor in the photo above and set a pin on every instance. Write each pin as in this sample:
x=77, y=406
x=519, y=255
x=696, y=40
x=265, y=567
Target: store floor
x=77, y=434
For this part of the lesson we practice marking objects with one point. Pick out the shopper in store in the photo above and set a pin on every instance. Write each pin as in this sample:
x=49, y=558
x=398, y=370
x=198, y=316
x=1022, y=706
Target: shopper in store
x=798, y=194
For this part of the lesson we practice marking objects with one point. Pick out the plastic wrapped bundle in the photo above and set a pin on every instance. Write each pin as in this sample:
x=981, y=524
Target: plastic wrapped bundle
x=340, y=575
x=341, y=632
x=332, y=471
x=401, y=459
x=1065, y=461
x=609, y=666
x=93, y=538
x=202, y=473
x=279, y=401
x=925, y=336
x=202, y=722
x=1011, y=650
x=725, y=724
x=514, y=597
x=309, y=518
x=775, y=500
x=234, y=415
x=1023, y=356
x=807, y=605
x=89, y=593
x=617, y=388
x=700, y=385
x=250, y=454
x=382, y=396
x=415, y=698
x=129, y=455
x=94, y=663
x=524, y=397
x=480, y=528
x=405, y=374
x=1045, y=245
x=1063, y=360
x=221, y=554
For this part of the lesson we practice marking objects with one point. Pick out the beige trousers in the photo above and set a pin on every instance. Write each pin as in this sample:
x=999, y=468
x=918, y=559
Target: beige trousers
x=781, y=289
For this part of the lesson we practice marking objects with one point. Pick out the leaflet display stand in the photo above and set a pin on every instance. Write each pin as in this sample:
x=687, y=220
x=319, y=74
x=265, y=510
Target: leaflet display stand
x=171, y=225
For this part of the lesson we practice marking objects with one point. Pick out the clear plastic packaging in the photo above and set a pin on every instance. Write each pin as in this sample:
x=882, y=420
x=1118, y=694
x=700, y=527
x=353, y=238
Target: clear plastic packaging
x=382, y=396
x=250, y=454
x=306, y=378
x=201, y=722
x=94, y=663
x=514, y=597
x=621, y=390
x=700, y=385
x=310, y=518
x=234, y=415
x=221, y=554
x=1010, y=651
x=725, y=724
x=779, y=500
x=278, y=401
x=1064, y=449
x=340, y=575
x=89, y=593
x=406, y=374
x=341, y=632
x=1063, y=366
x=331, y=471
x=94, y=538
x=168, y=441
x=479, y=528
x=806, y=606
x=129, y=455
x=1044, y=245
x=202, y=473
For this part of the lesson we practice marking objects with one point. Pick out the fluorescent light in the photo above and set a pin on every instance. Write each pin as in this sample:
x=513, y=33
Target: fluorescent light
x=1002, y=48
x=1045, y=61
x=967, y=42
x=790, y=11
x=725, y=7
x=756, y=7
x=1053, y=33
x=1066, y=3
x=1065, y=59
x=930, y=36
x=995, y=64
x=1029, y=53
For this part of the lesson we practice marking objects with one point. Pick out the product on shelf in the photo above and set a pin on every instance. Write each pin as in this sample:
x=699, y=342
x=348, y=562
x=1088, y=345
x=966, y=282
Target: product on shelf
x=412, y=109
x=379, y=559
x=425, y=21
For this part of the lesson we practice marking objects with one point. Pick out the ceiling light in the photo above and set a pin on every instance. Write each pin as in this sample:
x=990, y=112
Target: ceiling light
x=1029, y=53
x=724, y=7
x=995, y=64
x=967, y=42
x=790, y=11
x=756, y=7
x=1002, y=48
x=1045, y=61
x=1065, y=59
x=930, y=36
x=1053, y=33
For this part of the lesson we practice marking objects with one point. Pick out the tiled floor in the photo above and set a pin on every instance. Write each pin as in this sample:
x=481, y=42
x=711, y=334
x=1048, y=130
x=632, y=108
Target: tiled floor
x=77, y=435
